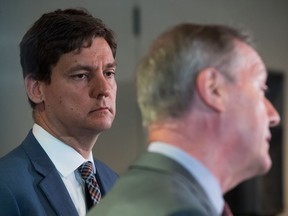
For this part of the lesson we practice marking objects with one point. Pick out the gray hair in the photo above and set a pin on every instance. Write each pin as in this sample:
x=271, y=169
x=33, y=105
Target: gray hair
x=166, y=75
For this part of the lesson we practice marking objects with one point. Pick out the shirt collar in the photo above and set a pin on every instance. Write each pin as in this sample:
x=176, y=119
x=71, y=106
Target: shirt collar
x=204, y=177
x=64, y=157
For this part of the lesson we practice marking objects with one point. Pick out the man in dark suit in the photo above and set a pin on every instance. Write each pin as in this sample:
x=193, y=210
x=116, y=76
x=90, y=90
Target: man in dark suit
x=201, y=94
x=68, y=62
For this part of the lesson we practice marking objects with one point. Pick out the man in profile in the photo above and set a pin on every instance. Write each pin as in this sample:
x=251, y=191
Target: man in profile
x=201, y=91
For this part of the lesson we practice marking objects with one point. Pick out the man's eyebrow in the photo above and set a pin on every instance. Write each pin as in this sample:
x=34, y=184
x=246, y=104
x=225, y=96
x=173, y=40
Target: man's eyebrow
x=81, y=67
x=110, y=65
x=89, y=67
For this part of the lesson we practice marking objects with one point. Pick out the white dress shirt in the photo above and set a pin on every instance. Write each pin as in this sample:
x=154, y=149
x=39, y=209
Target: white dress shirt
x=66, y=160
x=203, y=176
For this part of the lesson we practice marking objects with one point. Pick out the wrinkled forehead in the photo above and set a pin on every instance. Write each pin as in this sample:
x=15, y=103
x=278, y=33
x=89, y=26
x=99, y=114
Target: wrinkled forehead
x=247, y=59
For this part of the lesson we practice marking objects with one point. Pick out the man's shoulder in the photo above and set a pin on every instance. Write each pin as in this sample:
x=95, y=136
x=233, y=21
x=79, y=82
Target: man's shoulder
x=17, y=162
x=14, y=163
x=150, y=188
x=12, y=158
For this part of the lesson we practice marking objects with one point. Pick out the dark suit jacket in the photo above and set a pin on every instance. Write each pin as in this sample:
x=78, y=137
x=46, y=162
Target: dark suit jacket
x=31, y=185
x=155, y=186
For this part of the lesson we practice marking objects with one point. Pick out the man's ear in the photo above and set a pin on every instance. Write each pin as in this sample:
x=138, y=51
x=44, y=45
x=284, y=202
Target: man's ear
x=209, y=85
x=33, y=89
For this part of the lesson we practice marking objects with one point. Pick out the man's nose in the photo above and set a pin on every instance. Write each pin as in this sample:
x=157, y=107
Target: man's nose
x=274, y=116
x=99, y=87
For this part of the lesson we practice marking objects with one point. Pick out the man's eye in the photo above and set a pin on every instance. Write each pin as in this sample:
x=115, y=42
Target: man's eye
x=79, y=76
x=109, y=73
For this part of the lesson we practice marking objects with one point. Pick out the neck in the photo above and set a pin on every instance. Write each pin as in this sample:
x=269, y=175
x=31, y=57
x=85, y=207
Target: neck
x=198, y=139
x=82, y=141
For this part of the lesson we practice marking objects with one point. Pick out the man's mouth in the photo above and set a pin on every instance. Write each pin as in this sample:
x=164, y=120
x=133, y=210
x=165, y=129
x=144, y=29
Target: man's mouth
x=100, y=109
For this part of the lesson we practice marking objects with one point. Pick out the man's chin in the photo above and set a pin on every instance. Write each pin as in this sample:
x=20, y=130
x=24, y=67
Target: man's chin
x=104, y=126
x=261, y=168
x=265, y=166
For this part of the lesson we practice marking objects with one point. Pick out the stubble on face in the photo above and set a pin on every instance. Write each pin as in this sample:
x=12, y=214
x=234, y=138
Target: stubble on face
x=80, y=101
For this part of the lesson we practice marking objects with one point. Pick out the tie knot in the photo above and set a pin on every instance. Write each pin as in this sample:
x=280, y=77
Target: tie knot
x=86, y=170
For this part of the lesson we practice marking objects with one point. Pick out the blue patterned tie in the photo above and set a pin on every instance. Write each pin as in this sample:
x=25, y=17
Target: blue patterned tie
x=88, y=176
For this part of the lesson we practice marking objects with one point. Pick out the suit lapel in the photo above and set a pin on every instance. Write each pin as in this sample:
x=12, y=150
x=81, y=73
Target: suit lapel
x=57, y=194
x=48, y=178
x=104, y=176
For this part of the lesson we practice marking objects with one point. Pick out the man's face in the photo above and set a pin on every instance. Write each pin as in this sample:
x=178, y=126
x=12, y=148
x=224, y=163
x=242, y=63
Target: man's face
x=250, y=114
x=81, y=95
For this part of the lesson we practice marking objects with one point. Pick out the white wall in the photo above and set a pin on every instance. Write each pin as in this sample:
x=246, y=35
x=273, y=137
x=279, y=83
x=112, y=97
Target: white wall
x=267, y=20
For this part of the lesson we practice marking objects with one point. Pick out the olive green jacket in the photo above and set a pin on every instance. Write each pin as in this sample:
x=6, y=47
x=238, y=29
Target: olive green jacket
x=155, y=186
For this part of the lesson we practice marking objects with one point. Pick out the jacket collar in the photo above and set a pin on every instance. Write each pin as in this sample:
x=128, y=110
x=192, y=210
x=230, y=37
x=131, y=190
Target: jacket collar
x=157, y=162
x=49, y=180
